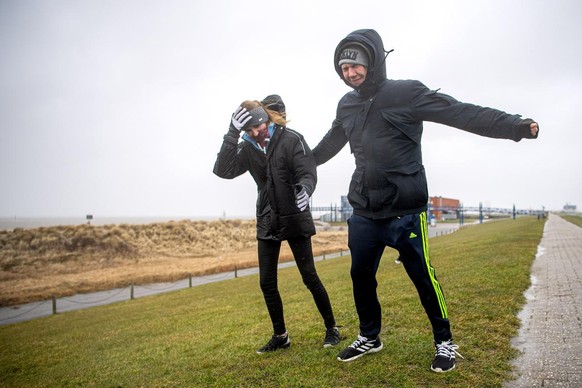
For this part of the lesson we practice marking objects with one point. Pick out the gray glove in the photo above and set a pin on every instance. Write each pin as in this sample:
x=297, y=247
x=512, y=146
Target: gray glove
x=240, y=117
x=302, y=198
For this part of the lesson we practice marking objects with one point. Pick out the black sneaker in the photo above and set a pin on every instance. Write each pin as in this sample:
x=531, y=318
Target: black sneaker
x=360, y=347
x=444, y=357
x=276, y=342
x=332, y=337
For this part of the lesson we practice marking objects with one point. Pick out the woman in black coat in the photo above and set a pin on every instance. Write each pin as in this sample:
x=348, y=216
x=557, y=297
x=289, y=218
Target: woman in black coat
x=283, y=167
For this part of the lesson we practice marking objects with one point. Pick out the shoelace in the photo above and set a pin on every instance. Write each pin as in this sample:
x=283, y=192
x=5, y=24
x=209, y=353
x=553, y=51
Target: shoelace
x=275, y=339
x=357, y=343
x=332, y=333
x=447, y=349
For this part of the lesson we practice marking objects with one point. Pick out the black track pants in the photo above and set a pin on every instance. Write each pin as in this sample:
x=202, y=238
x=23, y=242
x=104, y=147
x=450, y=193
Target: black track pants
x=409, y=236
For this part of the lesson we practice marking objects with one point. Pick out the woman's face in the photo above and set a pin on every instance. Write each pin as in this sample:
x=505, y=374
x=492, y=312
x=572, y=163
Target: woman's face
x=255, y=130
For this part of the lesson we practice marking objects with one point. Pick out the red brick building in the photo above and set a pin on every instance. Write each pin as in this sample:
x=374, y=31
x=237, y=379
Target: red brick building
x=444, y=208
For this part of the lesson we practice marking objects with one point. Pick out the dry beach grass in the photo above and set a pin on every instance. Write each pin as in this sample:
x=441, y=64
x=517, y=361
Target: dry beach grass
x=37, y=264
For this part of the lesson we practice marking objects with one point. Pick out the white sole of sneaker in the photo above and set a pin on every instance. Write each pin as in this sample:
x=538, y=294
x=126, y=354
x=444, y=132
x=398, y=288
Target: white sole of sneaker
x=439, y=370
x=373, y=350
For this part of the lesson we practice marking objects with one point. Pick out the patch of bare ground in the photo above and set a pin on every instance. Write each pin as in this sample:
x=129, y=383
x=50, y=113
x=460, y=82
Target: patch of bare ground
x=37, y=264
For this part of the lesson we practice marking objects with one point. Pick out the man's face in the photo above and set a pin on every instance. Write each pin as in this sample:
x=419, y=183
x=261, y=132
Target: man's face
x=354, y=74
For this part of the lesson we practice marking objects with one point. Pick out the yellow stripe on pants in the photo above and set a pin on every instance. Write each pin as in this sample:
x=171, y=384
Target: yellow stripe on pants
x=435, y=283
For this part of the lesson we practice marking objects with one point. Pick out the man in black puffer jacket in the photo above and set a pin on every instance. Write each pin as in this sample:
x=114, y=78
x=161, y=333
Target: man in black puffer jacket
x=382, y=120
x=283, y=167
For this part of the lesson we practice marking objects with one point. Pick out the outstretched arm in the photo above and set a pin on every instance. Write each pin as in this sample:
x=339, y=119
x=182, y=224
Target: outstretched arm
x=332, y=143
x=441, y=108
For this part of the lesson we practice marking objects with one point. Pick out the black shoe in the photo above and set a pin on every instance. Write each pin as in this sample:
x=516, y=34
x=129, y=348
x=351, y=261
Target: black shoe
x=444, y=357
x=276, y=342
x=360, y=347
x=332, y=337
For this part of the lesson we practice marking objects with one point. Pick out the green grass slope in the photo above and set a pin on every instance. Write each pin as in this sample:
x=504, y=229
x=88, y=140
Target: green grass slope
x=208, y=335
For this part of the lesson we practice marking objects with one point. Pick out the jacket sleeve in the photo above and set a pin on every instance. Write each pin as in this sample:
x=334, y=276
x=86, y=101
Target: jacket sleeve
x=332, y=143
x=305, y=171
x=230, y=162
x=428, y=105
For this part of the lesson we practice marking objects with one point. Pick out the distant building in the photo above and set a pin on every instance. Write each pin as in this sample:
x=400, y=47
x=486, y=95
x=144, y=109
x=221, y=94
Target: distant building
x=444, y=208
x=569, y=208
x=439, y=207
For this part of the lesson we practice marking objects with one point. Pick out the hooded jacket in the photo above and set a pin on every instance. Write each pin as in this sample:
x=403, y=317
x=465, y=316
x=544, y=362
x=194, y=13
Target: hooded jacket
x=288, y=162
x=383, y=122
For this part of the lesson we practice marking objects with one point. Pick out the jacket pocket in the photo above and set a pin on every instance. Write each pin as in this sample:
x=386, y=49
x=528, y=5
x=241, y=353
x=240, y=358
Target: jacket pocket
x=402, y=190
x=356, y=195
x=295, y=226
x=411, y=189
x=348, y=127
x=411, y=130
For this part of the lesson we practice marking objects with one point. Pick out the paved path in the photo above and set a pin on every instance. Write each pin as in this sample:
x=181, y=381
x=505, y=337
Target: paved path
x=551, y=333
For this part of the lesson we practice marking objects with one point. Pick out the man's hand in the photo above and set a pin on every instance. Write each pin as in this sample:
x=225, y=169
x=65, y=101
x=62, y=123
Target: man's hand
x=534, y=128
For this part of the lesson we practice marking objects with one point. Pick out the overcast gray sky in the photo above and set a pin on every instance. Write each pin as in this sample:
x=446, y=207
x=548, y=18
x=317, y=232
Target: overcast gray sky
x=117, y=108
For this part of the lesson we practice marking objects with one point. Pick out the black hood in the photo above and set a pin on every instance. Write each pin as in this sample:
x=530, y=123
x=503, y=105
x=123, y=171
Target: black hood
x=372, y=42
x=274, y=102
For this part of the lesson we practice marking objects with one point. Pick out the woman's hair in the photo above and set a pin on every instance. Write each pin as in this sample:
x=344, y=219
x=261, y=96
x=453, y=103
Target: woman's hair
x=274, y=116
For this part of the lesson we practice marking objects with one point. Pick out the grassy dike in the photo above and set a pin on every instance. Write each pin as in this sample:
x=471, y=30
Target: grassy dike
x=207, y=335
x=574, y=219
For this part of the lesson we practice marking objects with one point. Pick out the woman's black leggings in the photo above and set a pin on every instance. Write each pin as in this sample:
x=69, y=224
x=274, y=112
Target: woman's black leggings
x=303, y=254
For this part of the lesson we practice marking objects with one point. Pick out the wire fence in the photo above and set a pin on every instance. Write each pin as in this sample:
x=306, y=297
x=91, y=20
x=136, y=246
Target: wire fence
x=14, y=314
x=337, y=213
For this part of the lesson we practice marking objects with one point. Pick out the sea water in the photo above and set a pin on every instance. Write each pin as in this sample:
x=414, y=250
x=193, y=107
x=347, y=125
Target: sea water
x=32, y=222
